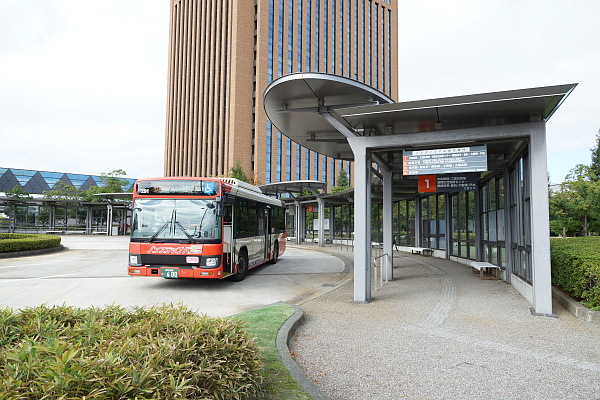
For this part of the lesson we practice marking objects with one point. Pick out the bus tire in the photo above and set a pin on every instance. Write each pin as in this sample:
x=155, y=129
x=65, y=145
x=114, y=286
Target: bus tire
x=275, y=253
x=242, y=268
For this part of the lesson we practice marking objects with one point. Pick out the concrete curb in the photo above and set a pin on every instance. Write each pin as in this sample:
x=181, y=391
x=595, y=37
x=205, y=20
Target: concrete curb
x=579, y=311
x=285, y=333
x=32, y=252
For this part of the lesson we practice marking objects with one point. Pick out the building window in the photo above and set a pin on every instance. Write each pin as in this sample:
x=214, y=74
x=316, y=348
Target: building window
x=271, y=49
x=288, y=160
x=278, y=157
x=325, y=33
x=290, y=40
x=307, y=164
x=299, y=56
x=333, y=38
x=317, y=35
x=298, y=162
x=268, y=151
x=280, y=44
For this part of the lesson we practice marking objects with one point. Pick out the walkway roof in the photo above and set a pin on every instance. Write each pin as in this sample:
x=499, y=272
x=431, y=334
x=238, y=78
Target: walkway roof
x=298, y=105
x=292, y=187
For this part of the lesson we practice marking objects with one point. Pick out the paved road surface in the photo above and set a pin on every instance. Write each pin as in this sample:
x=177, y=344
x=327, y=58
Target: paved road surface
x=92, y=272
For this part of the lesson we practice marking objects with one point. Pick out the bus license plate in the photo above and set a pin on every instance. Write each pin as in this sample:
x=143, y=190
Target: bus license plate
x=169, y=273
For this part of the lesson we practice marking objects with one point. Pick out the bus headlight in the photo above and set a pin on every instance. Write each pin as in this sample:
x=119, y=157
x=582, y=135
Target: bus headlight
x=134, y=260
x=212, y=262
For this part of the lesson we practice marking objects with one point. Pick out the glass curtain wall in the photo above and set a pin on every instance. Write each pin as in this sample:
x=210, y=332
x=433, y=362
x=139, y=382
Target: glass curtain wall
x=463, y=225
x=520, y=219
x=493, y=245
x=404, y=222
x=343, y=221
x=433, y=218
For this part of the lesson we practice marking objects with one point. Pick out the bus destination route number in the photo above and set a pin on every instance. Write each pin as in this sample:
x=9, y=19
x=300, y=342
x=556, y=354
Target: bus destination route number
x=169, y=273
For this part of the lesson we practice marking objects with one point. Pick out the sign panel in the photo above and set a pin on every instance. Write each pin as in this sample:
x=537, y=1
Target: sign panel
x=447, y=183
x=427, y=183
x=456, y=183
x=445, y=161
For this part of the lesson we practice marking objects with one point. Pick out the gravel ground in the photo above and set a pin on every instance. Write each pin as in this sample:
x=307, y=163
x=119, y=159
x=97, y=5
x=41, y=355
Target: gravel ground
x=440, y=332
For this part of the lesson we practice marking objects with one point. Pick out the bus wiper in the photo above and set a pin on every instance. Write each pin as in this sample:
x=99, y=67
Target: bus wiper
x=184, y=231
x=162, y=228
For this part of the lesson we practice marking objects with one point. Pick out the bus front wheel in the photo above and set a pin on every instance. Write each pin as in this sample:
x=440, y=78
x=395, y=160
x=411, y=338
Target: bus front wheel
x=242, y=268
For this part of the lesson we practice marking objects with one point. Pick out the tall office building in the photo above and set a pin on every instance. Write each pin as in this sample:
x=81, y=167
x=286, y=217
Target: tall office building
x=224, y=53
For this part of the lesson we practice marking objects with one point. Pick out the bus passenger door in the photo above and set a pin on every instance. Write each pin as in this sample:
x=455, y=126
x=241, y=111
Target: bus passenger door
x=265, y=233
x=228, y=244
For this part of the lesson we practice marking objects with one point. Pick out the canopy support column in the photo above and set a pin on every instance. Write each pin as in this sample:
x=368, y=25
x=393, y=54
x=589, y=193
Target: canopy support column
x=388, y=235
x=362, y=222
x=297, y=222
x=540, y=226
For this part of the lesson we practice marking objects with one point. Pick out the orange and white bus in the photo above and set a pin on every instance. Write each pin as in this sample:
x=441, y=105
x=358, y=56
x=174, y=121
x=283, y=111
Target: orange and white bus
x=203, y=228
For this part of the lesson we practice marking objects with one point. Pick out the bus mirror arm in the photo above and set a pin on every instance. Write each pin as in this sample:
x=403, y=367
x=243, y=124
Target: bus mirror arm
x=220, y=210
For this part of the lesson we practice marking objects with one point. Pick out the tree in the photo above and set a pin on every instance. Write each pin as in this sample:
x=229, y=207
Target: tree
x=114, y=181
x=595, y=165
x=237, y=172
x=17, y=192
x=63, y=191
x=342, y=182
x=582, y=194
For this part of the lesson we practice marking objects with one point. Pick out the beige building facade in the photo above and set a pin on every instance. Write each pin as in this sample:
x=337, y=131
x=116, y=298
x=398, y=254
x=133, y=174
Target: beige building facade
x=224, y=53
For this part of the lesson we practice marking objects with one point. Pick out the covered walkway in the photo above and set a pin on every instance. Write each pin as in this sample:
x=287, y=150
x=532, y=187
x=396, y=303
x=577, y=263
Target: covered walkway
x=440, y=332
x=470, y=169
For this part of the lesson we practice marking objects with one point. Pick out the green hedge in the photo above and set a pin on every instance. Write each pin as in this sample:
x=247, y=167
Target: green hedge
x=10, y=242
x=576, y=268
x=163, y=352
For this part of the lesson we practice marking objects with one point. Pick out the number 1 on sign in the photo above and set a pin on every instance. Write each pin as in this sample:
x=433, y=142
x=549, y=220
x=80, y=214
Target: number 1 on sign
x=427, y=183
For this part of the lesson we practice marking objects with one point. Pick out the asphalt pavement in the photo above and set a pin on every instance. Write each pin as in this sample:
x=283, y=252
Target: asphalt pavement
x=440, y=332
x=92, y=271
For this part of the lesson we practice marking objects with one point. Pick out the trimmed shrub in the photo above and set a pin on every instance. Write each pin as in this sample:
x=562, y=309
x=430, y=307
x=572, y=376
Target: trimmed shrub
x=576, y=268
x=163, y=352
x=11, y=242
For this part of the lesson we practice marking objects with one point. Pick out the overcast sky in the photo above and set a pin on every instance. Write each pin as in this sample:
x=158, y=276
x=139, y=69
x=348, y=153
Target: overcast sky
x=83, y=83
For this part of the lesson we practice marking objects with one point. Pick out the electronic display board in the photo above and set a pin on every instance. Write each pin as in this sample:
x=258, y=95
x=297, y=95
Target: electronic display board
x=445, y=161
x=174, y=187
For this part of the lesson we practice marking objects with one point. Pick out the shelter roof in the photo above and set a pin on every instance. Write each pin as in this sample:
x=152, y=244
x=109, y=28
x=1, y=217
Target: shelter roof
x=292, y=187
x=303, y=107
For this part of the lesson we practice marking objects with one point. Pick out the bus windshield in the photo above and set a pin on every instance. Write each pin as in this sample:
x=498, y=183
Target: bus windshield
x=175, y=220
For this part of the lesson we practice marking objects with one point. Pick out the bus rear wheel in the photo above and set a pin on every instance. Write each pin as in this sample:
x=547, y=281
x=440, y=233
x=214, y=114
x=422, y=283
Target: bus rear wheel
x=275, y=253
x=242, y=268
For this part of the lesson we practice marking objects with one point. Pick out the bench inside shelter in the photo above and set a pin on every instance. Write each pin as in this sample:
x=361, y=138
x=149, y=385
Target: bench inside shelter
x=426, y=251
x=482, y=267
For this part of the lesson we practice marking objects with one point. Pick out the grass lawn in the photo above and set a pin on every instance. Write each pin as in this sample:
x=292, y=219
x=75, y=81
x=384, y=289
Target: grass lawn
x=264, y=324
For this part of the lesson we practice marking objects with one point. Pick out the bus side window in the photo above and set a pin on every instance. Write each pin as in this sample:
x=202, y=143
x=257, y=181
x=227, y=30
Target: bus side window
x=227, y=216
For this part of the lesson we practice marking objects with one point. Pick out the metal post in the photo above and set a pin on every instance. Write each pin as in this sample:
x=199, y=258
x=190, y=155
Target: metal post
x=297, y=217
x=331, y=223
x=507, y=226
x=388, y=235
x=418, y=223
x=109, y=216
x=321, y=221
x=478, y=225
x=448, y=231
